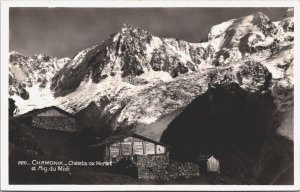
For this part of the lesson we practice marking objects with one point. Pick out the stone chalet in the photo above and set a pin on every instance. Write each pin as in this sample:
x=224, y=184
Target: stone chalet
x=50, y=118
x=150, y=157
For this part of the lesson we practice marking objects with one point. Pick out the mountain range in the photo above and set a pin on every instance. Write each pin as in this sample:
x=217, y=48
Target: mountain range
x=136, y=80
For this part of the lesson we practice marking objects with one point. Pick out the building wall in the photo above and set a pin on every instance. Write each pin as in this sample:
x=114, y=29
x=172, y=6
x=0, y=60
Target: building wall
x=182, y=169
x=60, y=123
x=159, y=167
x=132, y=146
x=152, y=167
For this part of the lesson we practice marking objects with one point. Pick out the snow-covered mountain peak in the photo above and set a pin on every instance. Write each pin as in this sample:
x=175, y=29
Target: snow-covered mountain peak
x=290, y=12
x=125, y=27
x=14, y=53
x=131, y=38
x=131, y=30
x=259, y=16
x=16, y=57
x=229, y=33
x=30, y=77
x=132, y=55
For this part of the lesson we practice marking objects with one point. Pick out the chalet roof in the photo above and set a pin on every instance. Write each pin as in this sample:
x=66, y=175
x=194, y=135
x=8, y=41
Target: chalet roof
x=203, y=157
x=38, y=111
x=118, y=137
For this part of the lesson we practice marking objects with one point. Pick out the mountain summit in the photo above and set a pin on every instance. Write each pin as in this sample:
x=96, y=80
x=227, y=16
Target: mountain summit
x=130, y=53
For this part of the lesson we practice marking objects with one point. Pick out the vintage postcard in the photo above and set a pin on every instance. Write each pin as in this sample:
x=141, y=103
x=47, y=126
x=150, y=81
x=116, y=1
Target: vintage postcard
x=148, y=95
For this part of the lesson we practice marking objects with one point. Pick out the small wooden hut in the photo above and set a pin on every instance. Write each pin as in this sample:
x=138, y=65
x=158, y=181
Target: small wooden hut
x=208, y=163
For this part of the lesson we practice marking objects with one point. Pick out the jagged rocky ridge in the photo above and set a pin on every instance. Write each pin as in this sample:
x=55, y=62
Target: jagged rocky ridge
x=30, y=78
x=130, y=53
x=135, y=77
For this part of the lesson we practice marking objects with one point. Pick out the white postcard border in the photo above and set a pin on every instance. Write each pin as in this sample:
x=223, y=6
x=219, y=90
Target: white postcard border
x=4, y=93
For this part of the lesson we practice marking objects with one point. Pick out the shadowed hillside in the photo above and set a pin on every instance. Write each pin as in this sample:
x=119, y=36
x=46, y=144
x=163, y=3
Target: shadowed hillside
x=240, y=129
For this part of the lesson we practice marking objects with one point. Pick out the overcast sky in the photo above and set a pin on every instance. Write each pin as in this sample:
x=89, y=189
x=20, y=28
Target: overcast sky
x=62, y=32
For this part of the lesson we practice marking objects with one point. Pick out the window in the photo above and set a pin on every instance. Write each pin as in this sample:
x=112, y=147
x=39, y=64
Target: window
x=138, y=148
x=150, y=148
x=160, y=149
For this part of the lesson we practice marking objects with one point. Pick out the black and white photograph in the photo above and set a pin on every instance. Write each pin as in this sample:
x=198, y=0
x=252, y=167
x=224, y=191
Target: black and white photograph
x=150, y=95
